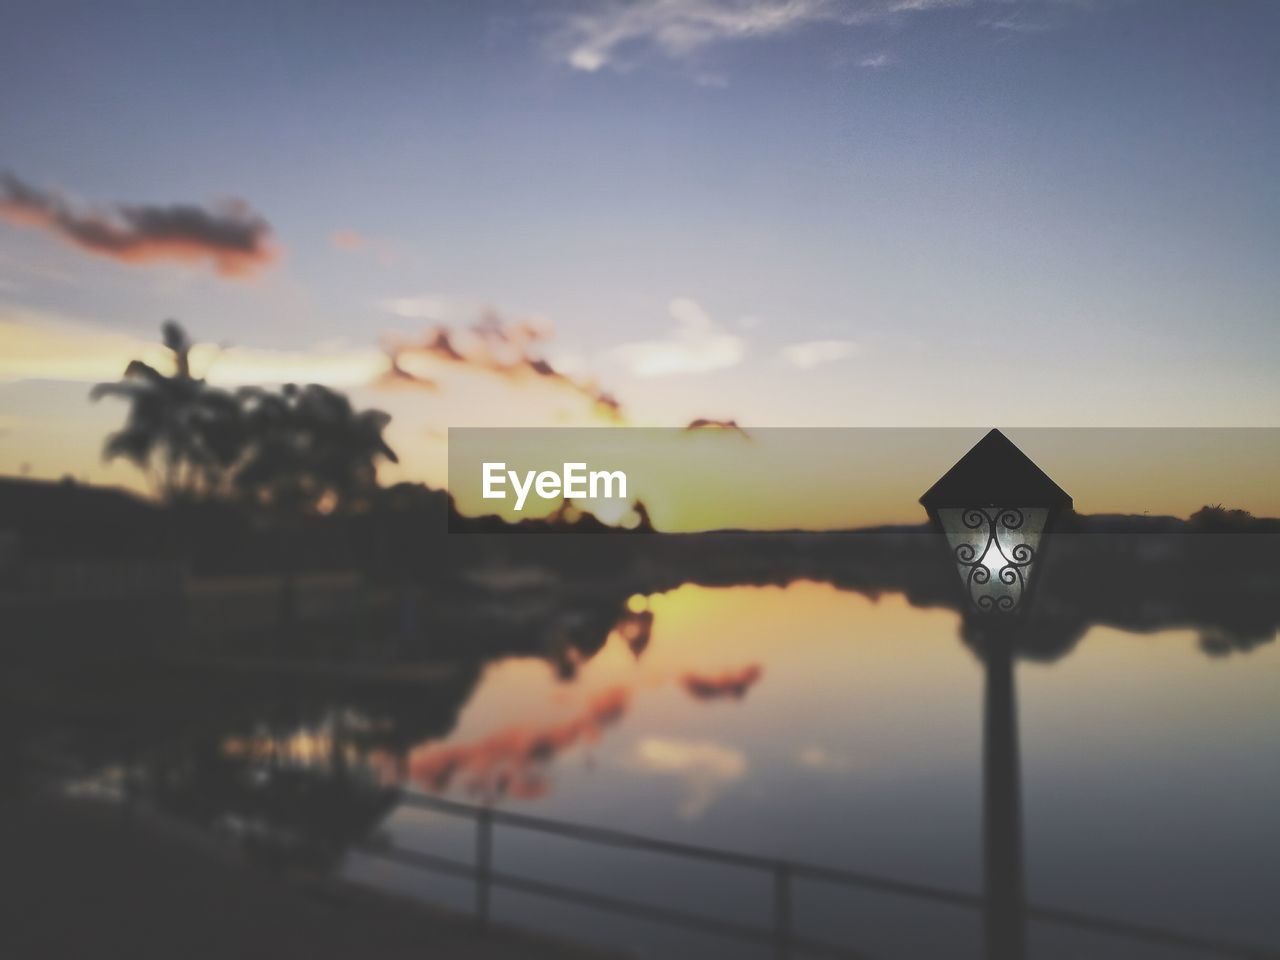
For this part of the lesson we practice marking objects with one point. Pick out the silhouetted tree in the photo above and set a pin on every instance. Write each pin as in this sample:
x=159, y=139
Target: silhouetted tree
x=310, y=450
x=289, y=453
x=1220, y=519
x=184, y=434
x=297, y=450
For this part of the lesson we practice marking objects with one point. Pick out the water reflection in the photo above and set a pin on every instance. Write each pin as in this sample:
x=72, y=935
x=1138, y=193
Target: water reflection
x=513, y=761
x=1003, y=885
x=296, y=797
x=810, y=722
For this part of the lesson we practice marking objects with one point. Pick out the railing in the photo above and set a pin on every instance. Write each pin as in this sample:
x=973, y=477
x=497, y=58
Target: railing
x=784, y=939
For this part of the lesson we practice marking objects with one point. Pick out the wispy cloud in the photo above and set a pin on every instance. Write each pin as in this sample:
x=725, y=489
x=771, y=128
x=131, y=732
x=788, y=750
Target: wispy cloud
x=417, y=308
x=616, y=34
x=464, y=361
x=875, y=61
x=596, y=37
x=233, y=239
x=354, y=241
x=814, y=353
x=1018, y=22
x=814, y=757
x=346, y=239
x=697, y=345
x=513, y=350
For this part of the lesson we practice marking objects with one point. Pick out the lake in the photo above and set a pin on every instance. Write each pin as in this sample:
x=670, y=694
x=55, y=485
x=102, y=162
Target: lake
x=811, y=724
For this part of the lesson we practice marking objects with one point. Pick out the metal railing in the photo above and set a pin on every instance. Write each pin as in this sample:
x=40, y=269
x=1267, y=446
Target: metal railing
x=780, y=934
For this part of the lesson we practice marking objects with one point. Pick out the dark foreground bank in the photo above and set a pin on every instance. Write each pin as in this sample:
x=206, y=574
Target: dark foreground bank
x=82, y=881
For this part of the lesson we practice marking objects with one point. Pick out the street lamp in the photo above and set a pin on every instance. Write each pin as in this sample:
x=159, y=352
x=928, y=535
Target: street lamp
x=996, y=508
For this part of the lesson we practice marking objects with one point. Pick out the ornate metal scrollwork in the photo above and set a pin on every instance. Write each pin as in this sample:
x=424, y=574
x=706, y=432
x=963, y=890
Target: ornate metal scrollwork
x=1004, y=555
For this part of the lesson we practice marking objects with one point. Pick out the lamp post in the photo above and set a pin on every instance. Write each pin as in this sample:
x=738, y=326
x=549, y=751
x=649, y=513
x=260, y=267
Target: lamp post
x=995, y=508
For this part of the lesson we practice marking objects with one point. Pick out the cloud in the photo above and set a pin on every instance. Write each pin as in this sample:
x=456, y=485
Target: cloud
x=820, y=759
x=1018, y=24
x=709, y=423
x=415, y=308
x=813, y=353
x=697, y=345
x=514, y=761
x=509, y=349
x=875, y=61
x=384, y=251
x=233, y=239
x=706, y=768
x=602, y=35
x=41, y=346
x=593, y=38
x=615, y=34
x=732, y=684
x=346, y=240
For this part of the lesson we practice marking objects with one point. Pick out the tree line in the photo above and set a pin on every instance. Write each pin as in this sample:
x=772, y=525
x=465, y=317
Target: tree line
x=296, y=448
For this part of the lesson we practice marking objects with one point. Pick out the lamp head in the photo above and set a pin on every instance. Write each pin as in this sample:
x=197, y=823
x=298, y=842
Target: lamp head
x=996, y=507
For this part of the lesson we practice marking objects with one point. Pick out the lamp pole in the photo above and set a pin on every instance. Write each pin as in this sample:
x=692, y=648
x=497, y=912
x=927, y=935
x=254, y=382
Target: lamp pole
x=995, y=509
x=1004, y=919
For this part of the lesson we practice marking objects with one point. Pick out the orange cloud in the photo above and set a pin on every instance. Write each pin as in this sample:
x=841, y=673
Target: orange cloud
x=705, y=423
x=506, y=349
x=730, y=684
x=233, y=239
x=346, y=239
x=512, y=762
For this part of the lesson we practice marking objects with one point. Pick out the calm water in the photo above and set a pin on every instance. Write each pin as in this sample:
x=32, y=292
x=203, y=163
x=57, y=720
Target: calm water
x=816, y=725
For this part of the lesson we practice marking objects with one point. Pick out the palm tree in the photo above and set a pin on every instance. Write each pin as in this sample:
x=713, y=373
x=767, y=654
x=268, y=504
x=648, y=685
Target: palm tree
x=184, y=434
x=310, y=450
x=298, y=451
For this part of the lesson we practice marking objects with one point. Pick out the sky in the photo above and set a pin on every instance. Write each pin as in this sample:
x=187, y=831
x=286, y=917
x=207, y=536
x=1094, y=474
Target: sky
x=781, y=212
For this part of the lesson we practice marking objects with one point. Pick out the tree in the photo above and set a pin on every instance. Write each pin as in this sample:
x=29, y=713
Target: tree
x=292, y=452
x=296, y=450
x=184, y=434
x=310, y=450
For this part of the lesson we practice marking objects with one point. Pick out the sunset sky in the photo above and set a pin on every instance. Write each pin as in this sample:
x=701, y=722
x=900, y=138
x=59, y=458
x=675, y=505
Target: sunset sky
x=785, y=212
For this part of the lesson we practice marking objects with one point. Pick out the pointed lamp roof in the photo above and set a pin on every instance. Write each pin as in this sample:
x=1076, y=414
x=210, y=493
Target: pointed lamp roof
x=995, y=473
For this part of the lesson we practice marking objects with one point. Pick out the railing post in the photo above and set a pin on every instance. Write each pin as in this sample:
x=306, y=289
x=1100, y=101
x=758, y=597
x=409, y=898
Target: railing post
x=782, y=911
x=484, y=856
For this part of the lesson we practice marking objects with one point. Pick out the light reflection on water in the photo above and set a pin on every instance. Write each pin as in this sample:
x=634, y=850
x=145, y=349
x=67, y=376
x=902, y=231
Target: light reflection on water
x=823, y=726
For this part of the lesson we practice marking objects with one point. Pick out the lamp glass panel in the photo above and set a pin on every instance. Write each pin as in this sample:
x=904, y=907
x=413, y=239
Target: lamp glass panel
x=995, y=550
